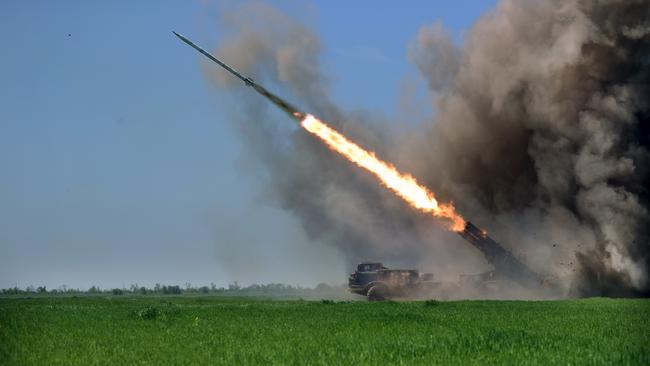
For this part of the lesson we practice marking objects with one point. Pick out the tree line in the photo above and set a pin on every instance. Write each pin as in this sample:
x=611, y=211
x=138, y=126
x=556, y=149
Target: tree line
x=159, y=289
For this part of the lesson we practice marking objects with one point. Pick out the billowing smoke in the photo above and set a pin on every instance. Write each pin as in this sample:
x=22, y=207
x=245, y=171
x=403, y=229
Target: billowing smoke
x=540, y=134
x=545, y=127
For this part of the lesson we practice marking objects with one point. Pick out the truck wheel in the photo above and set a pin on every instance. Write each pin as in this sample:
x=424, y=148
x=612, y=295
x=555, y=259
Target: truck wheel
x=378, y=293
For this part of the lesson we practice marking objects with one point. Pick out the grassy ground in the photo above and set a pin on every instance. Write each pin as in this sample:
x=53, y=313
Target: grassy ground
x=209, y=330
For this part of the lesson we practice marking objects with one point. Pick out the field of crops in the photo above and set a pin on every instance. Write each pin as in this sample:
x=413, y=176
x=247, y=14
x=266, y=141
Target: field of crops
x=212, y=330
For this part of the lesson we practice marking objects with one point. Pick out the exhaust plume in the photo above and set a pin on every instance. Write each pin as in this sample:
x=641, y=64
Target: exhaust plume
x=541, y=134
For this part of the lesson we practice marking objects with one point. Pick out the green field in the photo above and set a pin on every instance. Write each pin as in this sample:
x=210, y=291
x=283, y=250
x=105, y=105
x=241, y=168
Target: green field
x=213, y=330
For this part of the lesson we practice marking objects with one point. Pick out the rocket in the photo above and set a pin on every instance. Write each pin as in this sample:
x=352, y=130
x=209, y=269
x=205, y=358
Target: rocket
x=281, y=103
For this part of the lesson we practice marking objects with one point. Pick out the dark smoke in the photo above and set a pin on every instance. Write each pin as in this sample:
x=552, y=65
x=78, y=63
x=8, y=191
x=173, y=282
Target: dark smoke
x=541, y=134
x=546, y=121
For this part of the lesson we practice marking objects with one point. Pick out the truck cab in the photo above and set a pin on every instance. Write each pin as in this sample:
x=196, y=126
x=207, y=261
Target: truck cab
x=365, y=274
x=377, y=282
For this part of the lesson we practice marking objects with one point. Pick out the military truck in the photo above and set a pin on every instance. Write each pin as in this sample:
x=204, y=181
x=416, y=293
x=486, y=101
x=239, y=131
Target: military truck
x=377, y=282
x=373, y=280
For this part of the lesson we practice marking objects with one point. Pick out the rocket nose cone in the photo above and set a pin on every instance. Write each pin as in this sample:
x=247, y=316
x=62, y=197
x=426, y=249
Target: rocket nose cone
x=178, y=35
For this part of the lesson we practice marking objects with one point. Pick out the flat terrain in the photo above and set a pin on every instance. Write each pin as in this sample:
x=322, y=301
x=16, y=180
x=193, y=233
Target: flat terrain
x=212, y=330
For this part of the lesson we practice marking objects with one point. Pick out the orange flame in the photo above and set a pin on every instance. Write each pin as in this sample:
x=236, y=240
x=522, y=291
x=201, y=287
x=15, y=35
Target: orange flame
x=404, y=185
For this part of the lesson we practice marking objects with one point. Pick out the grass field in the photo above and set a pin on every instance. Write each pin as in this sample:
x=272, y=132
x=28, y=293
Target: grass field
x=213, y=330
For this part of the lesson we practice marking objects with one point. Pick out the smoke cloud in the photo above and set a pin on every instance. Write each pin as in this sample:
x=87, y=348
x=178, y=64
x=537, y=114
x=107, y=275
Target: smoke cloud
x=540, y=134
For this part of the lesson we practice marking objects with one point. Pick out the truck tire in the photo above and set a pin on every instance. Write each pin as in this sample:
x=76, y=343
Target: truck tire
x=378, y=293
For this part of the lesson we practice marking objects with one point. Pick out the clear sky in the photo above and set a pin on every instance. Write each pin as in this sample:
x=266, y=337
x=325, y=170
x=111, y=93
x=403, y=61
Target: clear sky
x=116, y=166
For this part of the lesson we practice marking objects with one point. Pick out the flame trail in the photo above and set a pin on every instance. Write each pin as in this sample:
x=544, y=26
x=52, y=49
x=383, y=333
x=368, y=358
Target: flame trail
x=404, y=185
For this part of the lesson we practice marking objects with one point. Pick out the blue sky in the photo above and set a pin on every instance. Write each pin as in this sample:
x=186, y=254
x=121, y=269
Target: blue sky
x=116, y=165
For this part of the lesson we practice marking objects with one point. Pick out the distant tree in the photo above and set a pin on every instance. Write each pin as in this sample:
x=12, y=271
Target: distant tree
x=117, y=291
x=11, y=291
x=41, y=289
x=204, y=289
x=143, y=290
x=172, y=290
x=157, y=288
x=94, y=290
x=213, y=287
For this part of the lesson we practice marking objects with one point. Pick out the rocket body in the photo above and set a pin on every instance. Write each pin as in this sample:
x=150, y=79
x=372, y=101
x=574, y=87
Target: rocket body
x=279, y=102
